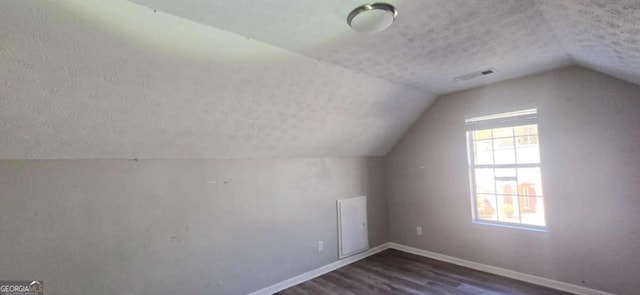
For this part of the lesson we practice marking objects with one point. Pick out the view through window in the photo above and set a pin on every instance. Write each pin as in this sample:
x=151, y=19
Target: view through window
x=504, y=169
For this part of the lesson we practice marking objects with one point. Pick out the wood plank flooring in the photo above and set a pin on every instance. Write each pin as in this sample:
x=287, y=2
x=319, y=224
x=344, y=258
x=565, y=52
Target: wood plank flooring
x=396, y=272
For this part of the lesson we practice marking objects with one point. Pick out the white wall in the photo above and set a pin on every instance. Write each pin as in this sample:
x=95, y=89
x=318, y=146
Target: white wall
x=589, y=128
x=161, y=227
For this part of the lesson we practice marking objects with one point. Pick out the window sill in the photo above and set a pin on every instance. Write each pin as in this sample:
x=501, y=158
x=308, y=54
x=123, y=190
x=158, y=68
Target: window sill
x=501, y=225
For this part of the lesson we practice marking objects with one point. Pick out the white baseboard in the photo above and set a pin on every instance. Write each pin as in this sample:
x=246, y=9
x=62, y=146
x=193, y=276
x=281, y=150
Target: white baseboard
x=562, y=286
x=319, y=271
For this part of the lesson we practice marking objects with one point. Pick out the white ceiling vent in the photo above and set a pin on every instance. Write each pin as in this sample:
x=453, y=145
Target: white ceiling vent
x=475, y=75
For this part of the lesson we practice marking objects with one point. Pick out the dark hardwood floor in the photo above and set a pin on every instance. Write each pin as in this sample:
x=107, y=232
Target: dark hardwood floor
x=395, y=272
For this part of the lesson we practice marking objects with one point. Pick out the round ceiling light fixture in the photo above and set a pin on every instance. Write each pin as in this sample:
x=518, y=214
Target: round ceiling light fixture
x=372, y=17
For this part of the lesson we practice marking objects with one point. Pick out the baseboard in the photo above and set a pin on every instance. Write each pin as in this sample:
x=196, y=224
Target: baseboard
x=319, y=271
x=562, y=286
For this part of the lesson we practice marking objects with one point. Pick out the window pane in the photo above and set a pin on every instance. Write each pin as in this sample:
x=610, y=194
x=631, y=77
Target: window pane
x=530, y=182
x=503, y=132
x=483, y=152
x=486, y=207
x=508, y=209
x=485, y=181
x=527, y=129
x=504, y=151
x=482, y=134
x=507, y=188
x=527, y=140
x=527, y=149
x=506, y=172
x=532, y=210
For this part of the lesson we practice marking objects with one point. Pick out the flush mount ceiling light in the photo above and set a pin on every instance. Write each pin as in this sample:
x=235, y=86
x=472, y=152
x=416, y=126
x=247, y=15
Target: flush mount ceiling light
x=372, y=18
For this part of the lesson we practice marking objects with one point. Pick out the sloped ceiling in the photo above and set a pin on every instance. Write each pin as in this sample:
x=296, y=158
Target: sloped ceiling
x=434, y=41
x=113, y=79
x=431, y=42
x=603, y=35
x=245, y=78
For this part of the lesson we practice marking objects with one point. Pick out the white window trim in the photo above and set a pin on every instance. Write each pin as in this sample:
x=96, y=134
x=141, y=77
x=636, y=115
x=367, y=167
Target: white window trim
x=512, y=119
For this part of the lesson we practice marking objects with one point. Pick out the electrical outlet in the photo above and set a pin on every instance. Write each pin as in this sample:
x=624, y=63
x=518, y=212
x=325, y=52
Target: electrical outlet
x=419, y=230
x=320, y=246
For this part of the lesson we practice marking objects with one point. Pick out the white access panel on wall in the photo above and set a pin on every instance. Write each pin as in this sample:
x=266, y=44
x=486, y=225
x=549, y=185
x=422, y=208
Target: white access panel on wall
x=353, y=235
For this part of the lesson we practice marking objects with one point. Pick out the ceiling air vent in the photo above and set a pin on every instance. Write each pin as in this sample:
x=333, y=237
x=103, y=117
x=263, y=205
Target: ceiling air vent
x=475, y=75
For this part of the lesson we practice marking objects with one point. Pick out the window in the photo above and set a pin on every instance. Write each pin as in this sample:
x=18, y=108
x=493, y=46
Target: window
x=504, y=169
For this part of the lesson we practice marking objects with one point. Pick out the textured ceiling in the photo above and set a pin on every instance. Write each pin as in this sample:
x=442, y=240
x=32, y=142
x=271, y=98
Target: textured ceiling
x=431, y=42
x=603, y=35
x=113, y=79
x=246, y=78
x=434, y=41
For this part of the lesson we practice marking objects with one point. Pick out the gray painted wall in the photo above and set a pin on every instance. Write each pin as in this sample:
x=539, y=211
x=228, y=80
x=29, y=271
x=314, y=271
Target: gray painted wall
x=590, y=149
x=164, y=226
x=161, y=227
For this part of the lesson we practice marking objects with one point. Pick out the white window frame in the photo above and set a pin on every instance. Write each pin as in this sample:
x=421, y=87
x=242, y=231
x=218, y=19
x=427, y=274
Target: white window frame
x=510, y=119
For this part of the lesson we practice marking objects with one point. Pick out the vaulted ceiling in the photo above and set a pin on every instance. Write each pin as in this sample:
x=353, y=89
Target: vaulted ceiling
x=278, y=78
x=603, y=35
x=433, y=41
x=112, y=79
